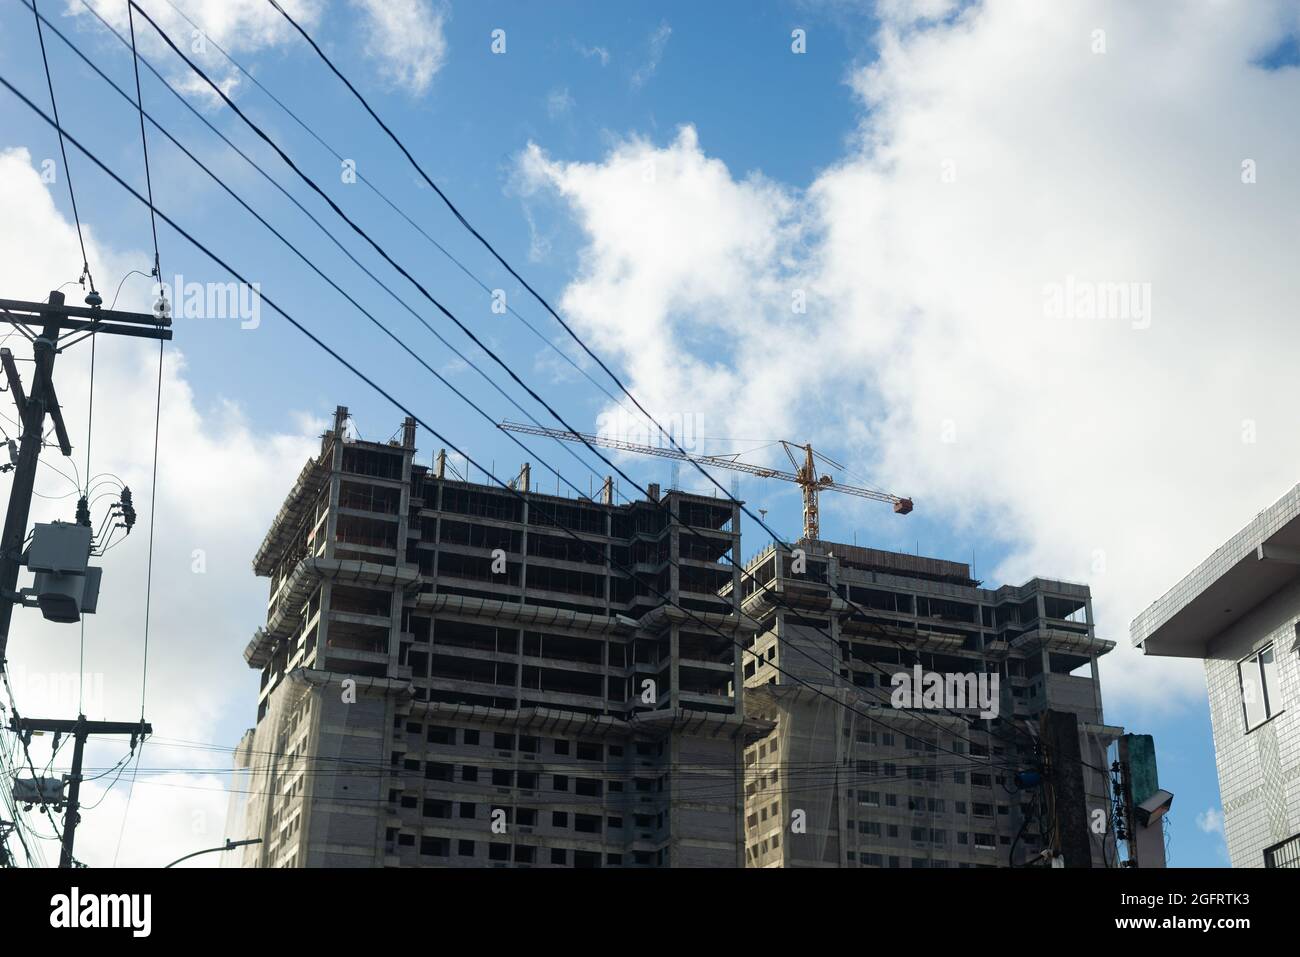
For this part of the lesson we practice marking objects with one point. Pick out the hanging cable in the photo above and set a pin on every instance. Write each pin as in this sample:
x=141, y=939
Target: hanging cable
x=144, y=143
x=487, y=245
x=67, y=172
x=130, y=793
x=151, y=215
x=434, y=301
x=370, y=381
x=395, y=207
x=153, y=511
x=388, y=332
x=405, y=274
x=133, y=272
x=84, y=507
x=157, y=419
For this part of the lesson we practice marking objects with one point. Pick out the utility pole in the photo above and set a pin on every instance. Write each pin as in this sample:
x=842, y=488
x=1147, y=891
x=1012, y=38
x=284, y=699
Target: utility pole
x=60, y=327
x=6, y=828
x=80, y=729
x=1060, y=735
x=53, y=318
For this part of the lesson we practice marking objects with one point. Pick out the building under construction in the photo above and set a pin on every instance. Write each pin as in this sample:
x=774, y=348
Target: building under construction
x=454, y=674
x=874, y=785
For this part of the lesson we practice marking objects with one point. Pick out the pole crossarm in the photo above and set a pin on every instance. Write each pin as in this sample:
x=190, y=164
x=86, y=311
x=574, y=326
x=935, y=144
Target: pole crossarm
x=79, y=725
x=80, y=729
x=80, y=318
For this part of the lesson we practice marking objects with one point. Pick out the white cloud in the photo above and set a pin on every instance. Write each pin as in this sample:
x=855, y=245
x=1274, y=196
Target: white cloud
x=908, y=12
x=599, y=53
x=658, y=43
x=220, y=482
x=238, y=26
x=234, y=24
x=170, y=814
x=405, y=38
x=673, y=236
x=1210, y=821
x=998, y=155
x=559, y=102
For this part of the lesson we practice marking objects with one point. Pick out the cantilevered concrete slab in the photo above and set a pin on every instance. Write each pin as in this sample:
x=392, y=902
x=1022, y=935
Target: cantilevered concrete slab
x=1255, y=564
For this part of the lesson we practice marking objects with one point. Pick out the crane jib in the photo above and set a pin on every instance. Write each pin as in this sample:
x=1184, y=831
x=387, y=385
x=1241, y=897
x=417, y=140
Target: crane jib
x=806, y=476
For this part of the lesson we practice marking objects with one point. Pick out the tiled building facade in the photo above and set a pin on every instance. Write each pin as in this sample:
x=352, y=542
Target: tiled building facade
x=1239, y=611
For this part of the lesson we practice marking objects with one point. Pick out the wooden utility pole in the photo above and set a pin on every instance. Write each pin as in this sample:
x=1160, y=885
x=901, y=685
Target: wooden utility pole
x=80, y=729
x=61, y=326
x=76, y=323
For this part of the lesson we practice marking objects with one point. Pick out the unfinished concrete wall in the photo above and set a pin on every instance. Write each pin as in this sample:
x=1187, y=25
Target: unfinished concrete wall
x=919, y=787
x=550, y=681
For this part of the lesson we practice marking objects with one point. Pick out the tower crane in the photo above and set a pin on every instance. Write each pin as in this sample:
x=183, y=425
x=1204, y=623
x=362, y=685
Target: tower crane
x=804, y=474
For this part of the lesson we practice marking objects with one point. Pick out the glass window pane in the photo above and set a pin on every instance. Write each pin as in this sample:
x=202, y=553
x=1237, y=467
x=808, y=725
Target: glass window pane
x=1272, y=688
x=1252, y=692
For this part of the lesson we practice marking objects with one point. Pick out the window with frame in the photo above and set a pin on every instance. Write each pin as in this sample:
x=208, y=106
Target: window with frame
x=1285, y=854
x=1261, y=692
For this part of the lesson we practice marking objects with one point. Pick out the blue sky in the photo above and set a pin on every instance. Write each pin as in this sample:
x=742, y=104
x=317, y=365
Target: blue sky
x=794, y=168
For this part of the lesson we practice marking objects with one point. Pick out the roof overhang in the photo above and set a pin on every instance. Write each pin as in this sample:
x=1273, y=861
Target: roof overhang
x=1257, y=563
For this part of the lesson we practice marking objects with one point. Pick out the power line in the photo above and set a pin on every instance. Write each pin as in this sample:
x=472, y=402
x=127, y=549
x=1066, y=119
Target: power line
x=406, y=348
x=387, y=395
x=144, y=143
x=366, y=236
x=829, y=638
x=67, y=171
x=157, y=417
x=220, y=182
x=571, y=766
x=320, y=226
x=490, y=248
x=383, y=253
x=130, y=793
x=696, y=790
x=13, y=708
x=392, y=205
x=7, y=768
x=482, y=240
x=284, y=156
x=43, y=400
